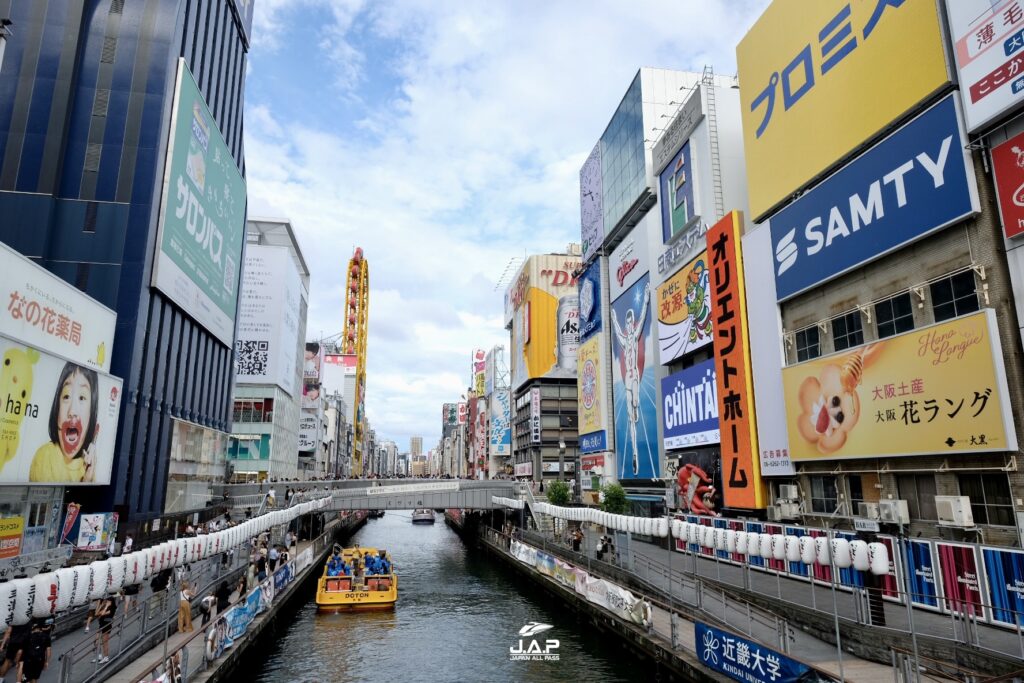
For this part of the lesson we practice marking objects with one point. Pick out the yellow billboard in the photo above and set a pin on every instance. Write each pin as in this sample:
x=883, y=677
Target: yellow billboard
x=935, y=390
x=590, y=386
x=819, y=79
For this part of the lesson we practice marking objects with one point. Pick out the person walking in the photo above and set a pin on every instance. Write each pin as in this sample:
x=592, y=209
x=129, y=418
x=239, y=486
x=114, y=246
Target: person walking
x=35, y=655
x=185, y=608
x=128, y=543
x=273, y=555
x=105, y=616
x=13, y=641
x=206, y=607
x=223, y=596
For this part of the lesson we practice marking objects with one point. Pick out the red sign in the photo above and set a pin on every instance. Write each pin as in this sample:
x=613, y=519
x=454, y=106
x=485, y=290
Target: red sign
x=591, y=462
x=1008, y=164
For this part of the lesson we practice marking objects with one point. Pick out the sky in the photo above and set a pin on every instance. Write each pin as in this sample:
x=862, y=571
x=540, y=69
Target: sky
x=444, y=138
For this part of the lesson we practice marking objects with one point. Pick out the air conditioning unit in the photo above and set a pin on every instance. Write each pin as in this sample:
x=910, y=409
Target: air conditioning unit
x=954, y=511
x=774, y=514
x=893, y=511
x=783, y=511
x=789, y=492
x=868, y=511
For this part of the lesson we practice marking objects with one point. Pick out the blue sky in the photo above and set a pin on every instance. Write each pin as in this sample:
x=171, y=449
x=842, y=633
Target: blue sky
x=445, y=138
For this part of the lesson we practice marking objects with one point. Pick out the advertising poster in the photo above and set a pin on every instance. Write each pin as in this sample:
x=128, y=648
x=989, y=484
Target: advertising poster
x=590, y=301
x=961, y=582
x=44, y=311
x=70, y=521
x=266, y=347
x=891, y=585
x=988, y=44
x=743, y=487
x=819, y=82
x=535, y=426
x=309, y=431
x=767, y=356
x=677, y=206
x=797, y=568
x=463, y=412
x=938, y=389
x=591, y=397
x=479, y=365
x=1004, y=570
x=684, y=311
x=591, y=204
x=1008, y=169
x=491, y=369
x=96, y=530
x=202, y=220
x=334, y=369
x=11, y=530
x=690, y=407
x=501, y=423
x=636, y=428
x=744, y=660
x=699, y=482
x=311, y=363
x=919, y=561
x=861, y=212
x=629, y=262
x=58, y=419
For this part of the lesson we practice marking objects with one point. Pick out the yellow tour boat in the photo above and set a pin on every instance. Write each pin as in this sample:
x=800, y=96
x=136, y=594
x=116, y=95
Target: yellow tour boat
x=351, y=588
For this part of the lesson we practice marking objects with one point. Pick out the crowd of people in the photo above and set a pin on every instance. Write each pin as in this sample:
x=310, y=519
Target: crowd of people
x=368, y=565
x=27, y=648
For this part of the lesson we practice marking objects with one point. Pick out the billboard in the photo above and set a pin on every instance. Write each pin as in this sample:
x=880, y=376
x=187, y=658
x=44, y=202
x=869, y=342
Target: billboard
x=479, y=366
x=961, y=580
x=311, y=362
x=491, y=369
x=501, y=423
x=684, y=311
x=334, y=369
x=988, y=45
x=1008, y=169
x=591, y=301
x=11, y=531
x=309, y=430
x=47, y=313
x=690, y=406
x=591, y=204
x=767, y=355
x=629, y=262
x=545, y=319
x=449, y=414
x=745, y=660
x=58, y=419
x=678, y=209
x=699, y=481
x=591, y=392
x=96, y=530
x=742, y=486
x=820, y=79
x=535, y=426
x=636, y=421
x=937, y=389
x=917, y=180
x=1004, y=570
x=684, y=122
x=267, y=342
x=202, y=219
x=463, y=410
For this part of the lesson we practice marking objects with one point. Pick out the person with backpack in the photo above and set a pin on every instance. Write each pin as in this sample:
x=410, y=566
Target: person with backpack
x=35, y=654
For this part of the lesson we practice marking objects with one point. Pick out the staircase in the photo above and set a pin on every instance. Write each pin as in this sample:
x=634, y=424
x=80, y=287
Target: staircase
x=544, y=522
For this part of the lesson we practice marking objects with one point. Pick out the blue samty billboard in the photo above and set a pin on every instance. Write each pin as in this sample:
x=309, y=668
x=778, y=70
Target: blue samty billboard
x=916, y=181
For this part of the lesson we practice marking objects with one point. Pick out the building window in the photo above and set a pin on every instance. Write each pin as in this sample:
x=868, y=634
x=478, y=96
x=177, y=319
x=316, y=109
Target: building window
x=824, y=496
x=919, y=492
x=808, y=345
x=954, y=296
x=990, y=497
x=894, y=315
x=847, y=331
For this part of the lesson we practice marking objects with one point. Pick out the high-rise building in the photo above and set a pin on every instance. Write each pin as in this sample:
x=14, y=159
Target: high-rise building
x=416, y=445
x=99, y=103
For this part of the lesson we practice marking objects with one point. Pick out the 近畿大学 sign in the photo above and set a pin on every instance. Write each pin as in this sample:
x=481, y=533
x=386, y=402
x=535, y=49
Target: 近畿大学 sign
x=916, y=181
x=202, y=219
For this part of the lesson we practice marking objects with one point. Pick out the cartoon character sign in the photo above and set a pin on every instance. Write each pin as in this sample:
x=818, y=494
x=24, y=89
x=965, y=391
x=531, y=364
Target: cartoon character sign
x=15, y=386
x=699, y=481
x=831, y=403
x=636, y=428
x=684, y=310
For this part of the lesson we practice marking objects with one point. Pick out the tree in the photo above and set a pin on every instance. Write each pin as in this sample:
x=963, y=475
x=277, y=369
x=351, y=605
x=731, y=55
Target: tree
x=558, y=493
x=614, y=499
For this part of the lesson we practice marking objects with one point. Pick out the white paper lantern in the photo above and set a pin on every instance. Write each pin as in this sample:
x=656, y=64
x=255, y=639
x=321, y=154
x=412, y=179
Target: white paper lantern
x=44, y=595
x=841, y=553
x=778, y=547
x=792, y=548
x=822, y=554
x=82, y=586
x=7, y=591
x=709, y=537
x=692, y=533
x=730, y=540
x=878, y=558
x=807, y=551
x=100, y=579
x=719, y=538
x=65, y=588
x=662, y=529
x=753, y=544
x=859, y=553
x=117, y=571
x=133, y=569
x=741, y=542
x=23, y=598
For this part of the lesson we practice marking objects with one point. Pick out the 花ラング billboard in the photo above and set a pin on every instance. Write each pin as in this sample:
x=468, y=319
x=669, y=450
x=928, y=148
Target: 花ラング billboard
x=684, y=311
x=939, y=389
x=636, y=421
x=545, y=320
x=820, y=79
x=266, y=348
x=917, y=180
x=591, y=204
x=202, y=219
x=58, y=419
x=46, y=312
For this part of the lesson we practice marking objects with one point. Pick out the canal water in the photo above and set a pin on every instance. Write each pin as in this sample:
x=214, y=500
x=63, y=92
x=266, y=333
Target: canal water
x=458, y=614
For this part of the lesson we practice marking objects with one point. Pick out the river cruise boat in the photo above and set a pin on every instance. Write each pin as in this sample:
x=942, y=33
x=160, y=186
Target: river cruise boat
x=422, y=516
x=338, y=592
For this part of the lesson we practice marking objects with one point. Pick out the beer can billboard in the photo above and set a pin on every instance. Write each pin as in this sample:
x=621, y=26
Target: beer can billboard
x=58, y=419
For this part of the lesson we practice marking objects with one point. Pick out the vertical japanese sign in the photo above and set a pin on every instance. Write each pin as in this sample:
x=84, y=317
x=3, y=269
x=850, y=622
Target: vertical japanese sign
x=988, y=43
x=501, y=420
x=1008, y=167
x=741, y=476
x=202, y=219
x=744, y=660
x=535, y=415
x=479, y=368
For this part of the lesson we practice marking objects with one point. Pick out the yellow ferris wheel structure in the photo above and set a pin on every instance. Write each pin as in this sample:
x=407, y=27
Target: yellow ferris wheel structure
x=357, y=311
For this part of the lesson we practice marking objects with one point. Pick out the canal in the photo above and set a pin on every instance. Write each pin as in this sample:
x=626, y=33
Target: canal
x=458, y=614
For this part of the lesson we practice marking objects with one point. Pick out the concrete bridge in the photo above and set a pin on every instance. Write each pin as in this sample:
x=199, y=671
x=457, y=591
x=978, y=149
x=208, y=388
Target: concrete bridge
x=393, y=494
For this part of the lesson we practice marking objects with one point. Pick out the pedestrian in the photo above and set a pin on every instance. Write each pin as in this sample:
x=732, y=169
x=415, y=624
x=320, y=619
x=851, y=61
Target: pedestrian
x=250, y=574
x=206, y=606
x=13, y=641
x=273, y=556
x=271, y=497
x=261, y=568
x=243, y=585
x=248, y=513
x=112, y=546
x=131, y=593
x=105, y=615
x=185, y=608
x=128, y=543
x=223, y=595
x=36, y=651
x=577, y=539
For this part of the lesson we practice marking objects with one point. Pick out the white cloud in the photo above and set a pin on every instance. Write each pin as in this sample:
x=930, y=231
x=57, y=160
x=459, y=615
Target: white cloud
x=460, y=134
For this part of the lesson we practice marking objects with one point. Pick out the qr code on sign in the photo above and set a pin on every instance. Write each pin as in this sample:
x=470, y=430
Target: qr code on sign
x=251, y=357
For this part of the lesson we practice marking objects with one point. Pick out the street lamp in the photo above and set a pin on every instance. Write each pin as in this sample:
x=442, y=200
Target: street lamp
x=561, y=459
